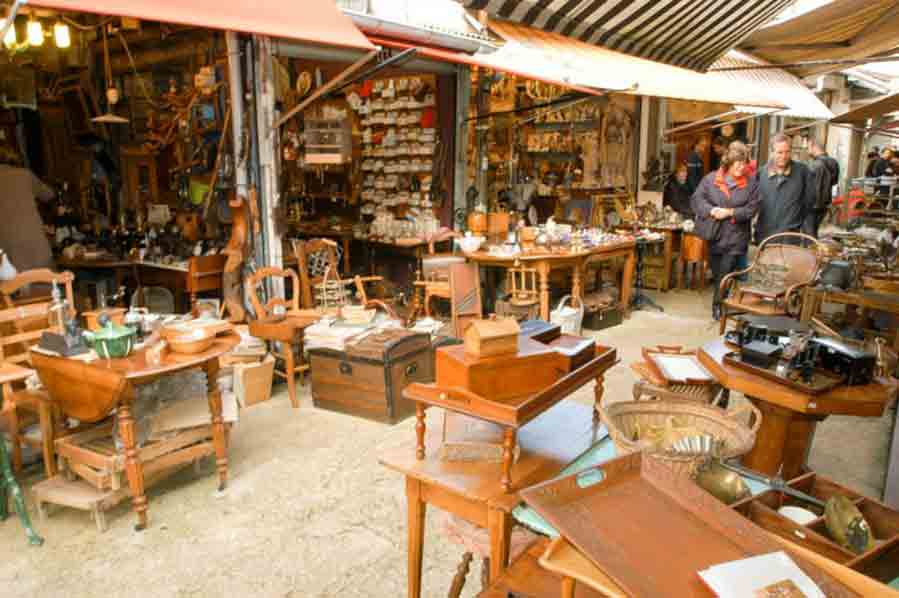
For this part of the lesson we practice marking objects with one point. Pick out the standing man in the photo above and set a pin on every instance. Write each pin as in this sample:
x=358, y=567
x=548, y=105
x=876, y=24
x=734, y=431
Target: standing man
x=826, y=172
x=883, y=167
x=786, y=192
x=21, y=228
x=696, y=164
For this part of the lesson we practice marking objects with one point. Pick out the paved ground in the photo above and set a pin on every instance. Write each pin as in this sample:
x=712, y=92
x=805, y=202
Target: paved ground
x=310, y=513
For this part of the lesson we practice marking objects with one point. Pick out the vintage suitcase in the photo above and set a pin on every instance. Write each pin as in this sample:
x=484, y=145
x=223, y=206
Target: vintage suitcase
x=367, y=379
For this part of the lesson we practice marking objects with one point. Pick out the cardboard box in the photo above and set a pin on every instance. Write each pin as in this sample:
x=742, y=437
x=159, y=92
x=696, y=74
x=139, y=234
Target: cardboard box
x=253, y=381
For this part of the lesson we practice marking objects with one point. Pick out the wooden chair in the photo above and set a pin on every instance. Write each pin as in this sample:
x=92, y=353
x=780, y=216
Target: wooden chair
x=433, y=278
x=304, y=250
x=21, y=326
x=285, y=329
x=777, y=279
x=465, y=296
x=694, y=255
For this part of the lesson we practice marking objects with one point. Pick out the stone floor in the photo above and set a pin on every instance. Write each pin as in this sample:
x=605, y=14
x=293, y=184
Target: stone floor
x=310, y=513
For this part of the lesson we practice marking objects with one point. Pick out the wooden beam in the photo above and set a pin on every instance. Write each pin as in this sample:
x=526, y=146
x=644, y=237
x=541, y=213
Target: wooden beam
x=327, y=87
x=786, y=46
x=701, y=121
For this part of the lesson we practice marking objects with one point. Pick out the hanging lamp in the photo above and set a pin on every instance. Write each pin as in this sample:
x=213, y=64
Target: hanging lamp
x=112, y=93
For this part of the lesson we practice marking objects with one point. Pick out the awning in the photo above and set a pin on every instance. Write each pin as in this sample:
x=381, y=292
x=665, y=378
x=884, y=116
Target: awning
x=530, y=52
x=317, y=21
x=687, y=33
x=840, y=30
x=874, y=110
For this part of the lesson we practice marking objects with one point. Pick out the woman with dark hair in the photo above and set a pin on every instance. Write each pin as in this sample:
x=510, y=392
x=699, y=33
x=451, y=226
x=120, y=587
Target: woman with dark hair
x=725, y=204
x=677, y=192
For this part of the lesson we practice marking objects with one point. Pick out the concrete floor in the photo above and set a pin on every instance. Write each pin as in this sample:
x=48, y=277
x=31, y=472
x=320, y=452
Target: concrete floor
x=310, y=513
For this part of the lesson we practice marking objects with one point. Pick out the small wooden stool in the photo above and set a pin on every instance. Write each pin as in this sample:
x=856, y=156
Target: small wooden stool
x=694, y=252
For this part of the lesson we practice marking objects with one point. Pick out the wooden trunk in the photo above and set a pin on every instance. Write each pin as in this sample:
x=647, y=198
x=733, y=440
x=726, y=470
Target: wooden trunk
x=370, y=383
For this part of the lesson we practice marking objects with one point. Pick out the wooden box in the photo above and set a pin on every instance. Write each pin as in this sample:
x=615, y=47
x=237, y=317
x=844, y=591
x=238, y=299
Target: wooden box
x=881, y=562
x=367, y=380
x=532, y=368
x=489, y=338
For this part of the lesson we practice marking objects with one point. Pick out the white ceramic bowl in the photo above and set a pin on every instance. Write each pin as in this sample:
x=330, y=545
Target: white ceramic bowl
x=470, y=244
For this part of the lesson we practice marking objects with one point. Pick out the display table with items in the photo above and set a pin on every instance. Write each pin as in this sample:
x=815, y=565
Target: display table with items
x=575, y=259
x=90, y=389
x=790, y=394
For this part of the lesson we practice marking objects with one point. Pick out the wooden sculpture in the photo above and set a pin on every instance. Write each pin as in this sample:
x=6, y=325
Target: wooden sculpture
x=236, y=252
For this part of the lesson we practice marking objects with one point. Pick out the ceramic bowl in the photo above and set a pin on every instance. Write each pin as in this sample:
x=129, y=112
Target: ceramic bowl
x=470, y=244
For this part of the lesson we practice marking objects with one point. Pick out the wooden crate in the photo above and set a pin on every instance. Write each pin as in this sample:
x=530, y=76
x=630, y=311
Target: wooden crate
x=880, y=562
x=370, y=384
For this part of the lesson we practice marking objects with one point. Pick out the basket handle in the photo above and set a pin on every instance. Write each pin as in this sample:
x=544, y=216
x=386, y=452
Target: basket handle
x=562, y=302
x=755, y=419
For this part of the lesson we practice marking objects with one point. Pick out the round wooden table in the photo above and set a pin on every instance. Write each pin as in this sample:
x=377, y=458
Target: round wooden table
x=789, y=416
x=89, y=391
x=545, y=262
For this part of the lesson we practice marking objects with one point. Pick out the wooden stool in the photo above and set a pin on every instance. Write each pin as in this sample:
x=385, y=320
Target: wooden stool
x=694, y=252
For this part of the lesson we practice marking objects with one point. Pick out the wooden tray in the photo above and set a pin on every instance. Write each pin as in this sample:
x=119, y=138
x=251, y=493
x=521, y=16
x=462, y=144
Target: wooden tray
x=650, y=530
x=676, y=366
x=822, y=381
x=880, y=562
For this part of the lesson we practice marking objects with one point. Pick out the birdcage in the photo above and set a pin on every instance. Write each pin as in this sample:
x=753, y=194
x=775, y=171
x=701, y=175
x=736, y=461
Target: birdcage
x=331, y=293
x=521, y=284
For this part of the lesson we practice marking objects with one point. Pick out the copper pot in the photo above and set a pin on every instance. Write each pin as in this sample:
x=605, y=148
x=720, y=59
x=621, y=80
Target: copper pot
x=477, y=223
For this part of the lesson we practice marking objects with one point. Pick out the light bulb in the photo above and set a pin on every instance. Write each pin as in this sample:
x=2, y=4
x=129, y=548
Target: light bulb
x=10, y=38
x=61, y=35
x=35, y=33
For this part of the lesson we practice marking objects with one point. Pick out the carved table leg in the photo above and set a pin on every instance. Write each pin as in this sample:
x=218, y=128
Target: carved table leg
x=133, y=467
x=218, y=424
x=543, y=272
x=597, y=396
x=419, y=431
x=417, y=509
x=508, y=454
x=577, y=290
x=461, y=575
x=568, y=585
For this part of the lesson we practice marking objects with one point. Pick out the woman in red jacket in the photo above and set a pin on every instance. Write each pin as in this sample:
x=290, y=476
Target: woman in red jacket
x=725, y=204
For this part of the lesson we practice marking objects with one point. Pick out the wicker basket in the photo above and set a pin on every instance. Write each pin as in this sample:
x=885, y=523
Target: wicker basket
x=736, y=437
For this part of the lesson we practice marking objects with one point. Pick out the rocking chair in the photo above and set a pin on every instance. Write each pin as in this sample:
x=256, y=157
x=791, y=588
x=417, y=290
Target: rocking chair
x=776, y=281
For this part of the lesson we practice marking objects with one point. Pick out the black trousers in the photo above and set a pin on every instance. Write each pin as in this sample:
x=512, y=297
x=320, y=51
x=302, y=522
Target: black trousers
x=723, y=264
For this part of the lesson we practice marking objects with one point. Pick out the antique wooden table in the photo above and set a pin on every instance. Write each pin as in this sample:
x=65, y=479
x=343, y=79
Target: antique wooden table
x=89, y=391
x=576, y=262
x=789, y=416
x=473, y=491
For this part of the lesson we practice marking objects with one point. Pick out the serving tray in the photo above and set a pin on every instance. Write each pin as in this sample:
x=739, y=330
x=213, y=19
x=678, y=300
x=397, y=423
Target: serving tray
x=822, y=381
x=651, y=530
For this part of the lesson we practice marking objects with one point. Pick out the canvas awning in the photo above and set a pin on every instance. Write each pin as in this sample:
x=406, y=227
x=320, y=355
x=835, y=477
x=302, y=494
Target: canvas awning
x=316, y=21
x=840, y=30
x=874, y=110
x=686, y=33
x=532, y=52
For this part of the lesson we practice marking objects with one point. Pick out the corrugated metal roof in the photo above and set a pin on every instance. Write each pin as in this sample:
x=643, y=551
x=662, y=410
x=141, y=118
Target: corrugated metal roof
x=687, y=33
x=562, y=58
x=840, y=30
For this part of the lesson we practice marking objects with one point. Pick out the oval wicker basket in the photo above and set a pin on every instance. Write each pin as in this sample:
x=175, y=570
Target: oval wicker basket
x=737, y=438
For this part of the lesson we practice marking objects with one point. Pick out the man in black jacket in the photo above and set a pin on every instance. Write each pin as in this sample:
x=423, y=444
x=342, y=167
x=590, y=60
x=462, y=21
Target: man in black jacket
x=696, y=164
x=826, y=172
x=786, y=191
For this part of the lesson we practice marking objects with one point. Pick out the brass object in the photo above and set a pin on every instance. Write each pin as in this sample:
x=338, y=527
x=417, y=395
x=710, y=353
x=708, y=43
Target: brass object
x=847, y=525
x=722, y=483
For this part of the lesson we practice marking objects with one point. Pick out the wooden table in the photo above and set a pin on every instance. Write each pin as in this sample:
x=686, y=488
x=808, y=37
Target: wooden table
x=473, y=490
x=576, y=262
x=815, y=297
x=526, y=577
x=90, y=391
x=789, y=417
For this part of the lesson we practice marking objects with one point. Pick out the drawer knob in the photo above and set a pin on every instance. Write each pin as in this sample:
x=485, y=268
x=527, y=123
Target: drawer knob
x=443, y=396
x=411, y=369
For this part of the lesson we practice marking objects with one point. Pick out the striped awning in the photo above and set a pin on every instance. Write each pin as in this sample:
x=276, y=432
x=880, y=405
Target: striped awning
x=686, y=33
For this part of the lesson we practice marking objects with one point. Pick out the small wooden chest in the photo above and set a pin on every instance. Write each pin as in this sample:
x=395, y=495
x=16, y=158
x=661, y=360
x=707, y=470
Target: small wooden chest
x=367, y=379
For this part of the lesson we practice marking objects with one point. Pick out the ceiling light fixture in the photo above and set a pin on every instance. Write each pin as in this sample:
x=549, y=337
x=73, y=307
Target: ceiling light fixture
x=61, y=35
x=35, y=33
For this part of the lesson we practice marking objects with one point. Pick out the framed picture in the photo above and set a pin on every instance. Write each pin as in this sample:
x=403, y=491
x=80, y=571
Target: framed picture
x=209, y=308
x=579, y=211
